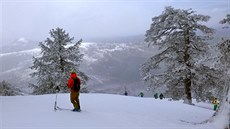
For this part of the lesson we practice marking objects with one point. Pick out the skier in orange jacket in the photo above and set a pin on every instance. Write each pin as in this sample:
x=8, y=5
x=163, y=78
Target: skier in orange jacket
x=74, y=84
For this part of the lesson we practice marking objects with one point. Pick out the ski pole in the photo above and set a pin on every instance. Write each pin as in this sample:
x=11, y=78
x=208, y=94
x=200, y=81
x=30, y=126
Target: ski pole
x=55, y=104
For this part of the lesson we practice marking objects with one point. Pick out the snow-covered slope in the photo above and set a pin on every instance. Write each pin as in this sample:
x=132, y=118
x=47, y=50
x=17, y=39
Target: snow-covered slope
x=102, y=111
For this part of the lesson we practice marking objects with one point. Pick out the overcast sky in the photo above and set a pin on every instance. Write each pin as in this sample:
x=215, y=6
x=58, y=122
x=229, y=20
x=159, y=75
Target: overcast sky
x=32, y=19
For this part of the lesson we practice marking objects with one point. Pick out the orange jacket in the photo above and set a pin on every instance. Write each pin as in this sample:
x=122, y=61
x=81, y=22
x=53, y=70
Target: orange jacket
x=71, y=81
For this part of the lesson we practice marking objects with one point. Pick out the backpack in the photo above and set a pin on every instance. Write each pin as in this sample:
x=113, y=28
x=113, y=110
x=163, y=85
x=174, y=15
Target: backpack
x=76, y=84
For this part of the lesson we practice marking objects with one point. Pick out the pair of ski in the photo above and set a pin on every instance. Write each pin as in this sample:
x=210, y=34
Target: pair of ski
x=62, y=109
x=65, y=109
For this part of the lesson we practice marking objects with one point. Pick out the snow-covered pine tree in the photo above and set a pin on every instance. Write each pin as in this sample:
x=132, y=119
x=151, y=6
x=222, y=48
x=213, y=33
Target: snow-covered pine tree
x=226, y=20
x=224, y=47
x=224, y=64
x=6, y=89
x=58, y=58
x=182, y=41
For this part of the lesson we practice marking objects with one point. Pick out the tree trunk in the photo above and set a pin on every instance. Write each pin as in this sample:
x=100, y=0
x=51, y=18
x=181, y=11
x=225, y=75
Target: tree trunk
x=187, y=84
x=187, y=80
x=62, y=65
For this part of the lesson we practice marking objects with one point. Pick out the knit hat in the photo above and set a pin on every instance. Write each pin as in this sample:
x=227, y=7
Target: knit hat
x=73, y=71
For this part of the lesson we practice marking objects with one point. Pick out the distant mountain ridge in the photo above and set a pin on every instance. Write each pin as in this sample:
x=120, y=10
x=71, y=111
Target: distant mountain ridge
x=19, y=44
x=126, y=39
x=110, y=66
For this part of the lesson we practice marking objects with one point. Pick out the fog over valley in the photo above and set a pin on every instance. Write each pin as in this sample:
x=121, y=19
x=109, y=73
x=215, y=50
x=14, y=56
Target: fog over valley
x=112, y=67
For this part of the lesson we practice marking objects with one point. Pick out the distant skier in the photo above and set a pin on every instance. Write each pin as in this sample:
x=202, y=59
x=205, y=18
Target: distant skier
x=161, y=96
x=155, y=96
x=215, y=102
x=74, y=84
x=126, y=93
x=141, y=94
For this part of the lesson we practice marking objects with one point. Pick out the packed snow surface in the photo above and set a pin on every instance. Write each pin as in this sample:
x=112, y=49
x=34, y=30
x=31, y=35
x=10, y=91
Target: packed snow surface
x=102, y=111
